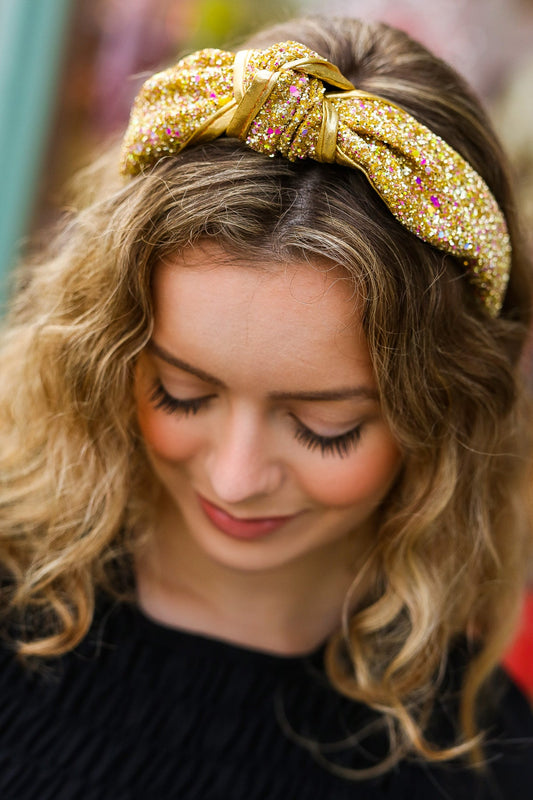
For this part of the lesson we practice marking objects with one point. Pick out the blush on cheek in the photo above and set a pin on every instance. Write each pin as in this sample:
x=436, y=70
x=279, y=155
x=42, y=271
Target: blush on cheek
x=366, y=479
x=164, y=436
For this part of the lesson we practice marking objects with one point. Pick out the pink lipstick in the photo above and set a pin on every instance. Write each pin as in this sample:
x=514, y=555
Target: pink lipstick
x=239, y=528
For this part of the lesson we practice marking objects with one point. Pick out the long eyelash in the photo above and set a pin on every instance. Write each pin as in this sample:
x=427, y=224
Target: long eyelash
x=173, y=405
x=340, y=445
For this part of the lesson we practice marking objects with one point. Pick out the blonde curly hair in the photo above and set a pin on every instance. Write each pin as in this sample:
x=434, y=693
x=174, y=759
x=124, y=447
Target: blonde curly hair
x=76, y=492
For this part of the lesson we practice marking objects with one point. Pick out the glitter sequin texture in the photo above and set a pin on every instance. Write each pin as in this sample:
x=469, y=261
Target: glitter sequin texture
x=426, y=184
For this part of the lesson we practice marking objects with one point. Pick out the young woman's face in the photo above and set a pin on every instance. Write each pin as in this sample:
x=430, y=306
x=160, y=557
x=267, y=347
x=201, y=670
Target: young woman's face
x=258, y=406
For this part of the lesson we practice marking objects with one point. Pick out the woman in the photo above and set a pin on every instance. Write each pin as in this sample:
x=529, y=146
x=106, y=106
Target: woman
x=264, y=444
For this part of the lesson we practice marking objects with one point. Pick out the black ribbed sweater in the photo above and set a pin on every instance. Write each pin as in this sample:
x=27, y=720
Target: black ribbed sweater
x=144, y=712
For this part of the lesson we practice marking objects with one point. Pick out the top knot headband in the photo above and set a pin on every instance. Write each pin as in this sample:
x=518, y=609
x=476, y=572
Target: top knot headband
x=275, y=100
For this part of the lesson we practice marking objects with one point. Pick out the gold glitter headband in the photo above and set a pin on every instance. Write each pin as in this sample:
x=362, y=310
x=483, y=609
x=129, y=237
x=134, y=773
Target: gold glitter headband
x=275, y=100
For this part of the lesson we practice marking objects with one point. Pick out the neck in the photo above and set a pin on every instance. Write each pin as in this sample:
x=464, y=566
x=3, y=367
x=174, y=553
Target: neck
x=289, y=610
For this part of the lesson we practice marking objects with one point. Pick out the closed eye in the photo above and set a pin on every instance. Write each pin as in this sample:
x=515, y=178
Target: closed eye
x=161, y=399
x=339, y=445
x=329, y=445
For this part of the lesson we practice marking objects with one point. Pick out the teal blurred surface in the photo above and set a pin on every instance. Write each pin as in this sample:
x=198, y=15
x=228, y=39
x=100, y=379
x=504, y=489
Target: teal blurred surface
x=32, y=35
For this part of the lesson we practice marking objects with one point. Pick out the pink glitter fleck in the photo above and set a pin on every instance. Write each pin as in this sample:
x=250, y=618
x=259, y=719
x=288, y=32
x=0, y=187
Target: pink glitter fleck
x=435, y=201
x=270, y=131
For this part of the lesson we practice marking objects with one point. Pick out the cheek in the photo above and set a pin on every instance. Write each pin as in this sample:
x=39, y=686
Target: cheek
x=363, y=477
x=166, y=437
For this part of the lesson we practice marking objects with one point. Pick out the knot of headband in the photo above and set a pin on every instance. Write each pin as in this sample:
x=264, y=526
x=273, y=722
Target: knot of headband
x=275, y=100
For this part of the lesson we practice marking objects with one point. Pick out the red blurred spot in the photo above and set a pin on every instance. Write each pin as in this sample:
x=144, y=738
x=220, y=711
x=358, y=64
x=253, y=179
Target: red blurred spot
x=519, y=659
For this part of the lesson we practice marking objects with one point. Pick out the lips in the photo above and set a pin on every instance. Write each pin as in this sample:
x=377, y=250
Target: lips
x=239, y=528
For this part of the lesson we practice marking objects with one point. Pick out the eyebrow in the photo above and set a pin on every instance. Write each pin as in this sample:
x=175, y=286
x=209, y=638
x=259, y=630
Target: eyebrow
x=342, y=393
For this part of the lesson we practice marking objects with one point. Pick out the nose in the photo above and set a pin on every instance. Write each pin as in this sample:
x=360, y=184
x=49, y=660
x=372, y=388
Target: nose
x=241, y=465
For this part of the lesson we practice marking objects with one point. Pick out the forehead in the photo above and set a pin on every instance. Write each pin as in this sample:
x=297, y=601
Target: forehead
x=264, y=318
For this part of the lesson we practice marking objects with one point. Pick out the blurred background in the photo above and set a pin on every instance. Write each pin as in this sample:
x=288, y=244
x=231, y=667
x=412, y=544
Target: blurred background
x=69, y=70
